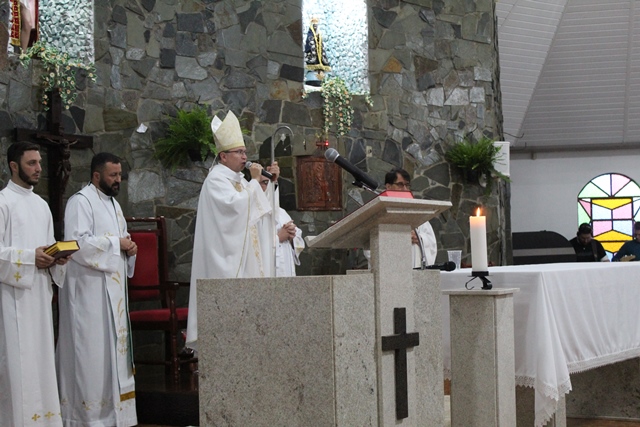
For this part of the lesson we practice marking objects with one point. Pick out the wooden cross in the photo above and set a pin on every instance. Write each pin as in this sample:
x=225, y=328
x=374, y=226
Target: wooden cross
x=58, y=145
x=400, y=342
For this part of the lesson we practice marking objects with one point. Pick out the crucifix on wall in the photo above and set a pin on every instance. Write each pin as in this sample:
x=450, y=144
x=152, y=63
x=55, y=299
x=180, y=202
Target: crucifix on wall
x=58, y=145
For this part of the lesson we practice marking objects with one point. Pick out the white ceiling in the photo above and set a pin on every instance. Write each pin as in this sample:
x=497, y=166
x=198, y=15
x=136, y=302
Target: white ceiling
x=570, y=72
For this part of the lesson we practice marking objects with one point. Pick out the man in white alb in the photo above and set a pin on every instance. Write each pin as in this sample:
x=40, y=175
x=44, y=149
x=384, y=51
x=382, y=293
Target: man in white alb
x=289, y=243
x=28, y=388
x=423, y=240
x=228, y=223
x=424, y=246
x=94, y=357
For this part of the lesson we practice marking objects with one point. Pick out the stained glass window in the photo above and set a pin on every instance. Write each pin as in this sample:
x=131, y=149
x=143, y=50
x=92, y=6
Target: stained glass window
x=610, y=203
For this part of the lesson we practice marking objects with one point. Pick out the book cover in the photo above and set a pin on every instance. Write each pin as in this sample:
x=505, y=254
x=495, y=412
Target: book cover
x=62, y=249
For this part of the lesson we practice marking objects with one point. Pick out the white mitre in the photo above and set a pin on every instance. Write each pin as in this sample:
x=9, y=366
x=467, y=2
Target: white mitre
x=227, y=133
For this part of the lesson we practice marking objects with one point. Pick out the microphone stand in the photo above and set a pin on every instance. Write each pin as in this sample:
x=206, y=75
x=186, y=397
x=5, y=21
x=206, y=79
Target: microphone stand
x=364, y=186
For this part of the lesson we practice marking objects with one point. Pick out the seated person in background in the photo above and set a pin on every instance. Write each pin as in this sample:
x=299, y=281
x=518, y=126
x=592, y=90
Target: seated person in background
x=630, y=251
x=587, y=248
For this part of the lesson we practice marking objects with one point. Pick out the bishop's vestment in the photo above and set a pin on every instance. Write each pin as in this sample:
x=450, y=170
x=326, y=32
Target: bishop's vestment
x=94, y=354
x=227, y=237
x=28, y=388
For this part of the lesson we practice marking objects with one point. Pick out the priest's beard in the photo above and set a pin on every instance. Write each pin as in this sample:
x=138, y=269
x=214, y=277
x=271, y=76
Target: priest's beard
x=109, y=191
x=26, y=178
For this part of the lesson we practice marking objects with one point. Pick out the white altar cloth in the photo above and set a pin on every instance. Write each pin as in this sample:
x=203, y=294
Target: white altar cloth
x=568, y=318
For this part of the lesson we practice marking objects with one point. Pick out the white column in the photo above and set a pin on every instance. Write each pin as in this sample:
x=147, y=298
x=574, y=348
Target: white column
x=482, y=358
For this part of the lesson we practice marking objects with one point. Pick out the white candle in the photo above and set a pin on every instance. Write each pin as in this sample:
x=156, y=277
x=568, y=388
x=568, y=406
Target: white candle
x=478, y=232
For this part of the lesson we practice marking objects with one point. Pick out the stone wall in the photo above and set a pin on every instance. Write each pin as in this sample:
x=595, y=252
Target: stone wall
x=433, y=76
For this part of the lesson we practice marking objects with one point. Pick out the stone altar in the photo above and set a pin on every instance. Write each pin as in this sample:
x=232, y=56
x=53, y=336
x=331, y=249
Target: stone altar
x=308, y=350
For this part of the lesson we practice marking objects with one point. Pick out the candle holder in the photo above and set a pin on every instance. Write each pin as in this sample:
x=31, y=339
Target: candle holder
x=486, y=283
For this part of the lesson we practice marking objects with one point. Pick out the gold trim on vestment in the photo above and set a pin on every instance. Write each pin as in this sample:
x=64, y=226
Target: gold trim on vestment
x=127, y=396
x=239, y=187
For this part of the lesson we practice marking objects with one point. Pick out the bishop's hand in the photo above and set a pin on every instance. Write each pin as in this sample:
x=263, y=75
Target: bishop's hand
x=255, y=169
x=274, y=169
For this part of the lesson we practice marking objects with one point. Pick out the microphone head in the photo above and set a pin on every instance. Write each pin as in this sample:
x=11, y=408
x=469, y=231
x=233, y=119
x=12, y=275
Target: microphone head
x=449, y=266
x=331, y=154
x=247, y=164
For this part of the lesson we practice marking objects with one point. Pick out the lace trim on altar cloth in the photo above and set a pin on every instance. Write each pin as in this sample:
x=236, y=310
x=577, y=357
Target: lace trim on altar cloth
x=546, y=409
x=596, y=362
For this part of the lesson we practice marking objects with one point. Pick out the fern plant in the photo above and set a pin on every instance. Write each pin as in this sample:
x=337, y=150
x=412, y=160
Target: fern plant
x=476, y=160
x=189, y=132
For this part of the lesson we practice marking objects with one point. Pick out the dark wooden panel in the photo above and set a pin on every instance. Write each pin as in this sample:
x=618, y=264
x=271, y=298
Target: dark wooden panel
x=319, y=184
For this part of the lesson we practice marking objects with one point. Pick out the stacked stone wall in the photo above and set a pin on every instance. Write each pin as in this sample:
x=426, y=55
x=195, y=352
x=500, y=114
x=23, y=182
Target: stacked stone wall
x=433, y=77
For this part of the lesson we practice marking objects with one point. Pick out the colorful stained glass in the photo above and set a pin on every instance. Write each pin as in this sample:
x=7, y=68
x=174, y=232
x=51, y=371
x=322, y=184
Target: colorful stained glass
x=623, y=212
x=624, y=227
x=629, y=190
x=600, y=227
x=618, y=182
x=598, y=212
x=586, y=204
x=610, y=203
x=591, y=190
x=603, y=182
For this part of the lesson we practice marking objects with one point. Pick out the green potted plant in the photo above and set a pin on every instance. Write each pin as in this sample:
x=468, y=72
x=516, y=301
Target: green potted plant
x=476, y=161
x=189, y=137
x=59, y=72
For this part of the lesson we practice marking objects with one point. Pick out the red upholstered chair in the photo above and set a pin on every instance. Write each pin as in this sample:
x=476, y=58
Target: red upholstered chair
x=150, y=283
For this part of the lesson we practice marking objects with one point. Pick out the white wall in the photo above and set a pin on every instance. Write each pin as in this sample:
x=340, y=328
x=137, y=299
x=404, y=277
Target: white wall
x=544, y=189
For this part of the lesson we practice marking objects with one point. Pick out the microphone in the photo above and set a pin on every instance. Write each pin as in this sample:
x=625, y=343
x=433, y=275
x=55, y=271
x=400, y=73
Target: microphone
x=262, y=172
x=333, y=156
x=445, y=266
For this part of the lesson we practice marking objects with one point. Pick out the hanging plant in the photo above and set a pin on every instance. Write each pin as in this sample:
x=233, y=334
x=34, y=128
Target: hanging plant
x=476, y=161
x=189, y=137
x=337, y=108
x=59, y=72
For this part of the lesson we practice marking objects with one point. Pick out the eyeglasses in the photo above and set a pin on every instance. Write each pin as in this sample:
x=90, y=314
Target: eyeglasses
x=240, y=152
x=403, y=184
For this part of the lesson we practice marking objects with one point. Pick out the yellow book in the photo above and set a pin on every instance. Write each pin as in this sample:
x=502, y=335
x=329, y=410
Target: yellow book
x=62, y=249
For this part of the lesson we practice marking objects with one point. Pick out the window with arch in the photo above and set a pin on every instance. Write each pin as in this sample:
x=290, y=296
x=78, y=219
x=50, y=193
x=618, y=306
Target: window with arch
x=66, y=25
x=335, y=43
x=610, y=203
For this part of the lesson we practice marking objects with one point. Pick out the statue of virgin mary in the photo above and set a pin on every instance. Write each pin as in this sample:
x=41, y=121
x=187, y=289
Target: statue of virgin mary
x=315, y=55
